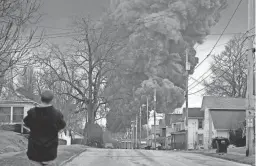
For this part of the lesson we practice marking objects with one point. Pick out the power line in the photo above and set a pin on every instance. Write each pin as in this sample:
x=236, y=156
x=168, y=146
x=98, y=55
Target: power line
x=215, y=78
x=221, y=34
x=73, y=34
x=67, y=34
x=212, y=66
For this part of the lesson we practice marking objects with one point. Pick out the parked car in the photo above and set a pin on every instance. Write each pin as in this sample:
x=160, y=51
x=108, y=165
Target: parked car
x=109, y=145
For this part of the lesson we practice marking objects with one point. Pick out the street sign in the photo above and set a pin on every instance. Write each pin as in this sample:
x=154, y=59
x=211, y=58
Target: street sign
x=250, y=122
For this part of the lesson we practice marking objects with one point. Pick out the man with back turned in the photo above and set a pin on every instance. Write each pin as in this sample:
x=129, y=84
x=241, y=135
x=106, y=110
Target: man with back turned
x=44, y=122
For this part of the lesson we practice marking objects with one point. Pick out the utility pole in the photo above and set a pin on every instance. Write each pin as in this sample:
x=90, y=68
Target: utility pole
x=155, y=118
x=147, y=118
x=136, y=132
x=254, y=73
x=187, y=69
x=140, y=127
x=132, y=134
x=250, y=102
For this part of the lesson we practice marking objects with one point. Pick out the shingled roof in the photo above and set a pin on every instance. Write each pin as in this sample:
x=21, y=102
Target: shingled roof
x=213, y=102
x=227, y=119
x=18, y=102
x=194, y=112
x=172, y=118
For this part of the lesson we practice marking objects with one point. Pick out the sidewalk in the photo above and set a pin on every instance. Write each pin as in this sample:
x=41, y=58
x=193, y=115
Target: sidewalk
x=20, y=159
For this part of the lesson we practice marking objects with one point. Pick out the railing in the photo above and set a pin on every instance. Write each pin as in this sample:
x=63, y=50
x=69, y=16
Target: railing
x=25, y=127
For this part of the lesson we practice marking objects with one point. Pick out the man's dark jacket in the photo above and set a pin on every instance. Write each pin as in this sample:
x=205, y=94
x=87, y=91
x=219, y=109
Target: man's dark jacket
x=44, y=124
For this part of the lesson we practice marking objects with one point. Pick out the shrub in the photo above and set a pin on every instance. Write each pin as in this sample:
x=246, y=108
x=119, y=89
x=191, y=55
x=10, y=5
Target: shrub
x=236, y=138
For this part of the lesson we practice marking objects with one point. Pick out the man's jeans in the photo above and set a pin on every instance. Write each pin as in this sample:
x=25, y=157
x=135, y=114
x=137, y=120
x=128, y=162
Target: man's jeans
x=44, y=163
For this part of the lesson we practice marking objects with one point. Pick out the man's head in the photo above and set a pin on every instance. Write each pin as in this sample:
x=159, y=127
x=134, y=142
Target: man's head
x=47, y=96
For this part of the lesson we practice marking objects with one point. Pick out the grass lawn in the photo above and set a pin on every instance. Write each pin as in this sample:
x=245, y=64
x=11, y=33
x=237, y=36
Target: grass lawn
x=12, y=142
x=237, y=158
x=14, y=145
x=234, y=154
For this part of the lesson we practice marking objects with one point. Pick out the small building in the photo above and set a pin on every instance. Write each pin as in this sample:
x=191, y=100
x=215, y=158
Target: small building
x=195, y=127
x=170, y=124
x=12, y=112
x=157, y=128
x=221, y=114
x=178, y=134
x=172, y=127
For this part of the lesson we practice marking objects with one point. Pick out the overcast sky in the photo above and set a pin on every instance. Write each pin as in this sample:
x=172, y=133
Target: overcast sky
x=58, y=15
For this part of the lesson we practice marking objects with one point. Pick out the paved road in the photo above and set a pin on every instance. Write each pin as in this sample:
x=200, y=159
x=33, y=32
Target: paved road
x=127, y=157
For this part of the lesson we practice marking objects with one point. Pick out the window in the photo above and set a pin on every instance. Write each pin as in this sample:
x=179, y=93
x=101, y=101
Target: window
x=200, y=139
x=5, y=114
x=178, y=127
x=200, y=123
x=18, y=113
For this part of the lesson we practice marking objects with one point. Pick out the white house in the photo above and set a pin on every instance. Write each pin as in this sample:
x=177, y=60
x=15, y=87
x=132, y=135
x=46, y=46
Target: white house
x=195, y=128
x=13, y=112
x=221, y=114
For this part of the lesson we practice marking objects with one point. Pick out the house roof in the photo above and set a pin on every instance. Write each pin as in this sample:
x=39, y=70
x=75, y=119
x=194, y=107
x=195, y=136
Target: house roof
x=194, y=112
x=226, y=120
x=213, y=102
x=172, y=118
x=17, y=102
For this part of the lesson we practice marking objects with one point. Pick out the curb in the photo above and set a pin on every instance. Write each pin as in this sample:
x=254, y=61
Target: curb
x=71, y=158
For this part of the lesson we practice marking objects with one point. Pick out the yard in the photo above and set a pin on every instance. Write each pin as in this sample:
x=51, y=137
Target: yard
x=13, y=150
x=11, y=142
x=234, y=154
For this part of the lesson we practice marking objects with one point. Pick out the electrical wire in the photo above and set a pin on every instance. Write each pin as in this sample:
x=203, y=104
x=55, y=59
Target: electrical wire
x=217, y=77
x=220, y=35
x=212, y=66
x=67, y=34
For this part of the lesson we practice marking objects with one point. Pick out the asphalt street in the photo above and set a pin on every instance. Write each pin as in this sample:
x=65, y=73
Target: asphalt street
x=128, y=157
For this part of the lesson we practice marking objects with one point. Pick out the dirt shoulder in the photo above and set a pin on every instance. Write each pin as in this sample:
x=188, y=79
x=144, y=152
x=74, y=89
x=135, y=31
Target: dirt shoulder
x=20, y=159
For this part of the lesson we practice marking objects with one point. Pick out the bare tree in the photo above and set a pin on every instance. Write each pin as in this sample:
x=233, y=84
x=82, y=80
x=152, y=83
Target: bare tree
x=16, y=16
x=85, y=66
x=229, y=70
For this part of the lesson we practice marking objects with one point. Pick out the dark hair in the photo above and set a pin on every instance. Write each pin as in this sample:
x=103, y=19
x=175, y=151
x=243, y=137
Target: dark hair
x=47, y=96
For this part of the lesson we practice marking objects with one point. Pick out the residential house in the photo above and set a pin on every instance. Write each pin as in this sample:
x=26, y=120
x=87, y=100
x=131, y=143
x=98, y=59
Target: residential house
x=195, y=127
x=172, y=127
x=171, y=123
x=178, y=133
x=157, y=128
x=12, y=112
x=221, y=114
